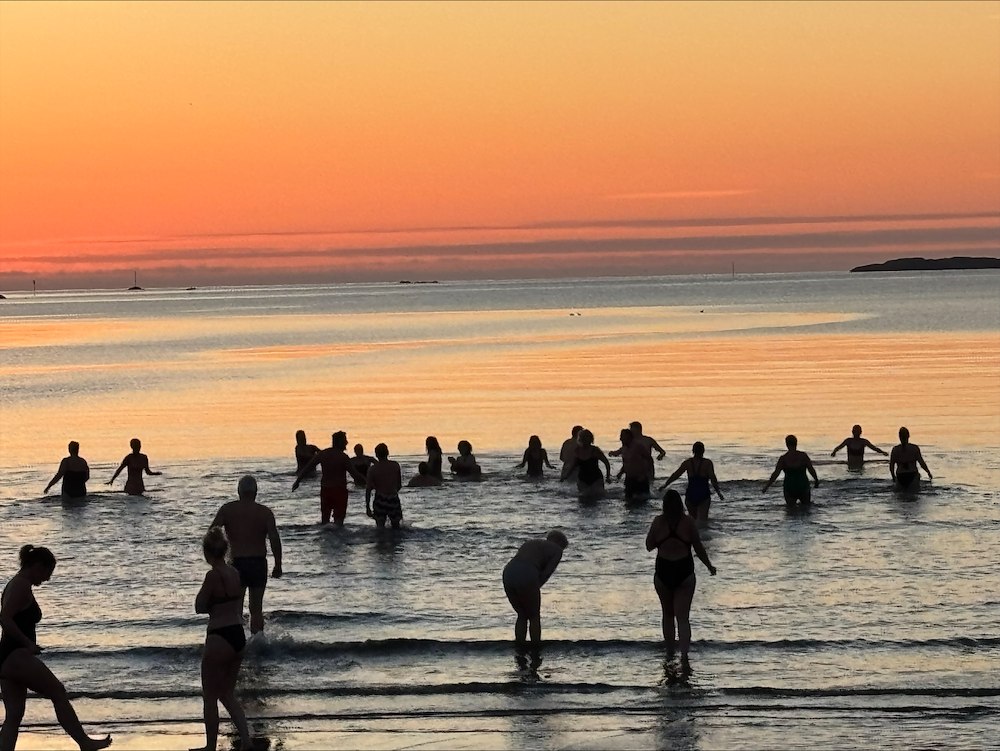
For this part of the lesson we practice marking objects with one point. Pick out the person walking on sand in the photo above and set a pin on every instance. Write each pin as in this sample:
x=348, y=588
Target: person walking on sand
x=21, y=669
x=903, y=461
x=523, y=578
x=225, y=641
x=701, y=473
x=137, y=463
x=335, y=466
x=795, y=464
x=304, y=452
x=74, y=473
x=856, y=446
x=568, y=451
x=673, y=535
x=385, y=480
x=249, y=526
x=534, y=457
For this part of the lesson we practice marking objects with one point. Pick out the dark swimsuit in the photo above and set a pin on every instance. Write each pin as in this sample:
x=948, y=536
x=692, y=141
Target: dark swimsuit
x=253, y=571
x=697, y=489
x=234, y=633
x=906, y=479
x=74, y=484
x=673, y=573
x=26, y=621
x=589, y=471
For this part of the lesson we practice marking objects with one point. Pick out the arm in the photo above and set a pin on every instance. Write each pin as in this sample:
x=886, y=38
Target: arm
x=57, y=476
x=812, y=470
x=607, y=465
x=714, y=480
x=569, y=468
x=118, y=471
x=550, y=565
x=842, y=444
x=148, y=470
x=675, y=475
x=652, y=541
x=369, y=487
x=306, y=468
x=203, y=601
x=18, y=597
x=920, y=461
x=545, y=458
x=220, y=518
x=524, y=460
x=893, y=461
x=874, y=448
x=657, y=448
x=778, y=468
x=699, y=550
x=275, y=540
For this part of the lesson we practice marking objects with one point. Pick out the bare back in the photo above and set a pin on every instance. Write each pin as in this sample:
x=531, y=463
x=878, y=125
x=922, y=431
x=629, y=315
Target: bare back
x=247, y=524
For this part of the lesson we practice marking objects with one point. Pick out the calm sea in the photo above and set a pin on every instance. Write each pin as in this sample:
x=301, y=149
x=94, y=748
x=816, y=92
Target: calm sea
x=871, y=620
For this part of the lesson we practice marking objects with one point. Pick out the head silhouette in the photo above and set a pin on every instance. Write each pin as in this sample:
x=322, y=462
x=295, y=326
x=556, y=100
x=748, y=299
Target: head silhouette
x=791, y=442
x=698, y=448
x=74, y=448
x=246, y=489
x=215, y=545
x=558, y=538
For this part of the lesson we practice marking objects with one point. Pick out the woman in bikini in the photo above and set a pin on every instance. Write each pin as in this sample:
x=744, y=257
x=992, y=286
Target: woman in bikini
x=20, y=667
x=221, y=596
x=673, y=535
x=700, y=472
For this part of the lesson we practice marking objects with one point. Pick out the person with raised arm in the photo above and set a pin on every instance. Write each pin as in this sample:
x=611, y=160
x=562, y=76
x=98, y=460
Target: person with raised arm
x=795, y=464
x=568, y=451
x=304, y=452
x=21, y=668
x=74, y=473
x=700, y=473
x=903, y=461
x=523, y=578
x=136, y=463
x=586, y=464
x=856, y=446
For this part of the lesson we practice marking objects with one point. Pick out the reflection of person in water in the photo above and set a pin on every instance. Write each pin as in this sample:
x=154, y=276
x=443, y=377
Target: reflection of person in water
x=21, y=668
x=534, y=457
x=903, y=463
x=137, y=463
x=856, y=446
x=525, y=575
x=795, y=464
x=304, y=452
x=74, y=473
x=701, y=473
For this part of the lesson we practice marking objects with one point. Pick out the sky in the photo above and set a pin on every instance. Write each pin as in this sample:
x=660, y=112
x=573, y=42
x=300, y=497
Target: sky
x=254, y=142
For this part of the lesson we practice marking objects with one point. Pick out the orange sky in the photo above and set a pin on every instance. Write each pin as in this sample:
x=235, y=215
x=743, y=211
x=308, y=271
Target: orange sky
x=207, y=142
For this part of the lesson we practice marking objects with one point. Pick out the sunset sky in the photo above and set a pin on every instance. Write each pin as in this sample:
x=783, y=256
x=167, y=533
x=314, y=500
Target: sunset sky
x=218, y=143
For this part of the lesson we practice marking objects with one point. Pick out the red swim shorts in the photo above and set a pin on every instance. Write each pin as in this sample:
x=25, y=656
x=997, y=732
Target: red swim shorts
x=335, y=500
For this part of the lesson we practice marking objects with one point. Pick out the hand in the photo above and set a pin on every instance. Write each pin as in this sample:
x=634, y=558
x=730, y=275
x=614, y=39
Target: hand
x=764, y=489
x=276, y=571
x=930, y=476
x=109, y=482
x=295, y=485
x=721, y=497
x=833, y=453
x=816, y=484
x=368, y=512
x=711, y=570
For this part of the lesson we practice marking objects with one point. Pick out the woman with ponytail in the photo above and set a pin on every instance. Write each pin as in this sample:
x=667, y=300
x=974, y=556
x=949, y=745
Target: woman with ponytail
x=20, y=667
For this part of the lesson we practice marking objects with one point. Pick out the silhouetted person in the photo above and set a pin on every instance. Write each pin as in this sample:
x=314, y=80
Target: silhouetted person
x=21, y=669
x=464, y=466
x=525, y=575
x=385, y=479
x=795, y=464
x=568, y=451
x=304, y=452
x=635, y=466
x=361, y=461
x=586, y=463
x=649, y=443
x=673, y=534
x=221, y=597
x=856, y=446
x=74, y=473
x=700, y=472
x=137, y=463
x=249, y=526
x=423, y=478
x=903, y=463
x=535, y=457
x=336, y=466
x=435, y=457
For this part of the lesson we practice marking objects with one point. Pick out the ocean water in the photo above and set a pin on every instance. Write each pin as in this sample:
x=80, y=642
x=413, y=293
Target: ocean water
x=871, y=619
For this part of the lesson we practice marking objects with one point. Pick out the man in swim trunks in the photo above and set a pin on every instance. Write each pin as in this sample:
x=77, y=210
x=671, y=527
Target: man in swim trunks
x=649, y=444
x=856, y=446
x=74, y=473
x=384, y=480
x=795, y=464
x=137, y=463
x=523, y=579
x=336, y=466
x=903, y=461
x=249, y=526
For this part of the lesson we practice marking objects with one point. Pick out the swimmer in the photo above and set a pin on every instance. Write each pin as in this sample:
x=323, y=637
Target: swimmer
x=673, y=535
x=700, y=472
x=361, y=461
x=21, y=669
x=435, y=457
x=464, y=466
x=523, y=578
x=856, y=446
x=903, y=463
x=249, y=526
x=225, y=641
x=74, y=473
x=137, y=463
x=423, y=478
x=635, y=466
x=304, y=452
x=649, y=443
x=795, y=464
x=567, y=452
x=336, y=466
x=534, y=457
x=585, y=462
x=384, y=479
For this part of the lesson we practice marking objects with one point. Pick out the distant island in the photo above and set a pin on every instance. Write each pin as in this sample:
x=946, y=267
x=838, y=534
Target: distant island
x=931, y=264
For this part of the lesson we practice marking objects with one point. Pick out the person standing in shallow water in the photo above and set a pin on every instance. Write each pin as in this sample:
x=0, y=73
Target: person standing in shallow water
x=795, y=464
x=700, y=472
x=568, y=451
x=249, y=526
x=137, y=463
x=361, y=461
x=903, y=463
x=535, y=457
x=21, y=669
x=435, y=457
x=385, y=479
x=221, y=598
x=336, y=466
x=74, y=473
x=856, y=446
x=523, y=578
x=586, y=462
x=304, y=452
x=673, y=535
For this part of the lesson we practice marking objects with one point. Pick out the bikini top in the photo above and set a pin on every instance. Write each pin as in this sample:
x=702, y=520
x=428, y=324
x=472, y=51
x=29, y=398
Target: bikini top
x=672, y=534
x=27, y=619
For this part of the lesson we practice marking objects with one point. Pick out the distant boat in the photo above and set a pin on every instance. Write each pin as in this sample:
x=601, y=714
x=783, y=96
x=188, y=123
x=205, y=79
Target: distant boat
x=135, y=282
